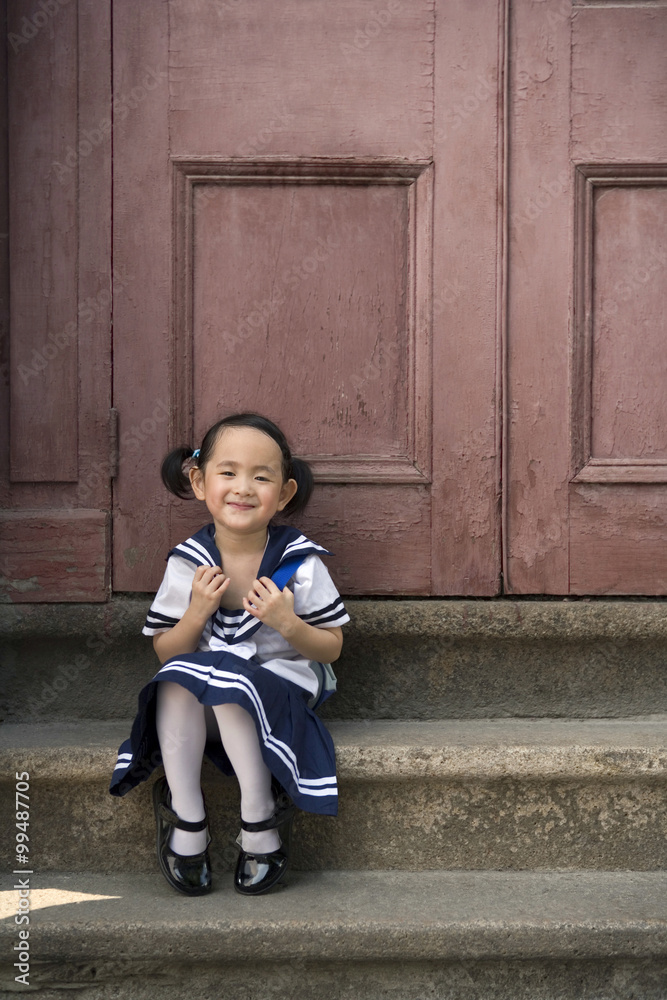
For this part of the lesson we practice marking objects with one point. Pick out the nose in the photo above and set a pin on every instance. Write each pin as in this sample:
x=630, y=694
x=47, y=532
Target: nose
x=242, y=486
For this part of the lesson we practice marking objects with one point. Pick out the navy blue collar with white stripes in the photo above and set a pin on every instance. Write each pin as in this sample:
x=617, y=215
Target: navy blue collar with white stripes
x=284, y=545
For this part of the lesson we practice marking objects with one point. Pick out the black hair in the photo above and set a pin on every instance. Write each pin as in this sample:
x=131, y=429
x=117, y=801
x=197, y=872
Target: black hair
x=178, y=483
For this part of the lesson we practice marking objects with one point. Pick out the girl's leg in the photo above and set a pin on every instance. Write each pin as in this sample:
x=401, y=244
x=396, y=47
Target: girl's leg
x=241, y=743
x=181, y=730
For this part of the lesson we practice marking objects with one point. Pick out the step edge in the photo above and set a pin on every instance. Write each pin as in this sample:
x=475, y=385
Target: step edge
x=581, y=764
x=193, y=930
x=463, y=619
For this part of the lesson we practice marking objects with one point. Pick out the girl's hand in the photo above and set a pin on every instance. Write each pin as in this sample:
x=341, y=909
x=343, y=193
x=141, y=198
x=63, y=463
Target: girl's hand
x=208, y=586
x=273, y=607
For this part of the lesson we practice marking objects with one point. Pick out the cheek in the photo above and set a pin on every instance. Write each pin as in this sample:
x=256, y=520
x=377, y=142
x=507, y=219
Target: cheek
x=272, y=497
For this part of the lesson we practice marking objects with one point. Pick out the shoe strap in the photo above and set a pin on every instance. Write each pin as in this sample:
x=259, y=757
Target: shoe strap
x=273, y=822
x=267, y=824
x=181, y=824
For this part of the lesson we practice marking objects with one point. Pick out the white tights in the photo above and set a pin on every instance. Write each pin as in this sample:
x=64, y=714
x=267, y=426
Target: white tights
x=182, y=729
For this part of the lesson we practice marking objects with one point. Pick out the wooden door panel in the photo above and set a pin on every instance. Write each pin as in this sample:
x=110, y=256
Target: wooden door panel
x=43, y=248
x=58, y=440
x=313, y=270
x=258, y=248
x=619, y=66
x=618, y=531
x=300, y=78
x=142, y=311
x=283, y=175
x=536, y=447
x=628, y=363
x=587, y=302
x=469, y=163
x=54, y=555
x=621, y=537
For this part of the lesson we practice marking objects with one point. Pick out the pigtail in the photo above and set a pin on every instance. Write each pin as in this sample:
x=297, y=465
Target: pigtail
x=303, y=474
x=173, y=476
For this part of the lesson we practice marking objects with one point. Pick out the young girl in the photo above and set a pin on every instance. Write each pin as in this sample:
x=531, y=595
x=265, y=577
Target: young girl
x=244, y=619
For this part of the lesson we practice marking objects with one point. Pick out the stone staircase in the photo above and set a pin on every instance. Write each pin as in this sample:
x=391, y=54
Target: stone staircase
x=501, y=834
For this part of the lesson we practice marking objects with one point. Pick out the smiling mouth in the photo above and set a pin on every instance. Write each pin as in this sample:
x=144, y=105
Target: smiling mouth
x=241, y=506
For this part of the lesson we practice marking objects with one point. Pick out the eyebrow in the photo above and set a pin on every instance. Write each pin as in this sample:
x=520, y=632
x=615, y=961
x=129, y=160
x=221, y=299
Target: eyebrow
x=256, y=468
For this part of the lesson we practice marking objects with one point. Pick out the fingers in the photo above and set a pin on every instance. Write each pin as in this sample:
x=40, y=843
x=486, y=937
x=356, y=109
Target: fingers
x=269, y=603
x=207, y=572
x=211, y=578
x=262, y=589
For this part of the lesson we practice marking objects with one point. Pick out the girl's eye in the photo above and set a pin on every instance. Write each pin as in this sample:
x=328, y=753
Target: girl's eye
x=226, y=473
x=263, y=479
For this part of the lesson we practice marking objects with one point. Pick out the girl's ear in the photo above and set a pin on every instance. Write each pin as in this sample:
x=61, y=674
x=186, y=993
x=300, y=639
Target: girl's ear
x=287, y=492
x=197, y=482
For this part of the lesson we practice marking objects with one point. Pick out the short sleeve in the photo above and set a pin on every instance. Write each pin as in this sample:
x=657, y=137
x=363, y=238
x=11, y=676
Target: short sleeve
x=173, y=598
x=316, y=599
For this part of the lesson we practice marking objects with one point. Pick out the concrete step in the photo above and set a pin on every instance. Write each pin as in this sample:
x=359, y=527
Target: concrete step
x=499, y=794
x=335, y=935
x=425, y=659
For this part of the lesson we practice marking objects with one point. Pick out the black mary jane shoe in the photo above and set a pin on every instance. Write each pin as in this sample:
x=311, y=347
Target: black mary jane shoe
x=257, y=873
x=190, y=874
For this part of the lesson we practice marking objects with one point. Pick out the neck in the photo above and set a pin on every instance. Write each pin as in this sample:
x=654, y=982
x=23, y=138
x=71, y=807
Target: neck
x=234, y=544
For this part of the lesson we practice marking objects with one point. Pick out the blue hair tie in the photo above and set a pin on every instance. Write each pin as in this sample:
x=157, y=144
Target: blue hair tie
x=195, y=453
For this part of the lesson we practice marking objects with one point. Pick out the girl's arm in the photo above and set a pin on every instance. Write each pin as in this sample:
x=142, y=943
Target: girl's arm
x=208, y=586
x=321, y=644
x=275, y=608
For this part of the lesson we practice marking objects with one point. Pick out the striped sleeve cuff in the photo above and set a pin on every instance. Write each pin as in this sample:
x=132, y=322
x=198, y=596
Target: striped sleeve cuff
x=327, y=617
x=156, y=622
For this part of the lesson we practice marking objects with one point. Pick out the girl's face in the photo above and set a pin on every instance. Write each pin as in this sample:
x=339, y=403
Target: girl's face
x=242, y=483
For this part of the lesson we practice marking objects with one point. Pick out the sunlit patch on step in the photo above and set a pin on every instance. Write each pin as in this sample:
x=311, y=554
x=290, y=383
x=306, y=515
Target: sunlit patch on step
x=41, y=898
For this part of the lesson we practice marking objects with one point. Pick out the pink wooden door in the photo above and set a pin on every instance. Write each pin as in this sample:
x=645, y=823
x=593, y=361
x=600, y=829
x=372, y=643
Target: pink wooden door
x=309, y=217
x=305, y=224
x=586, y=443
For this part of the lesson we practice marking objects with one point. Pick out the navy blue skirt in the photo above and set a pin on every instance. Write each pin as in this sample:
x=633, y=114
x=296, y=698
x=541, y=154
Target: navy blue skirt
x=296, y=746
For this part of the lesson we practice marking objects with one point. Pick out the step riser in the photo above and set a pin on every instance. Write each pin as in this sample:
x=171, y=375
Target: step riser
x=420, y=824
x=461, y=980
x=401, y=659
x=392, y=679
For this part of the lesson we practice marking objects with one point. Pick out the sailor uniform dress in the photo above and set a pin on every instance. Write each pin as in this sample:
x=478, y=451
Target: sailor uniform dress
x=241, y=660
